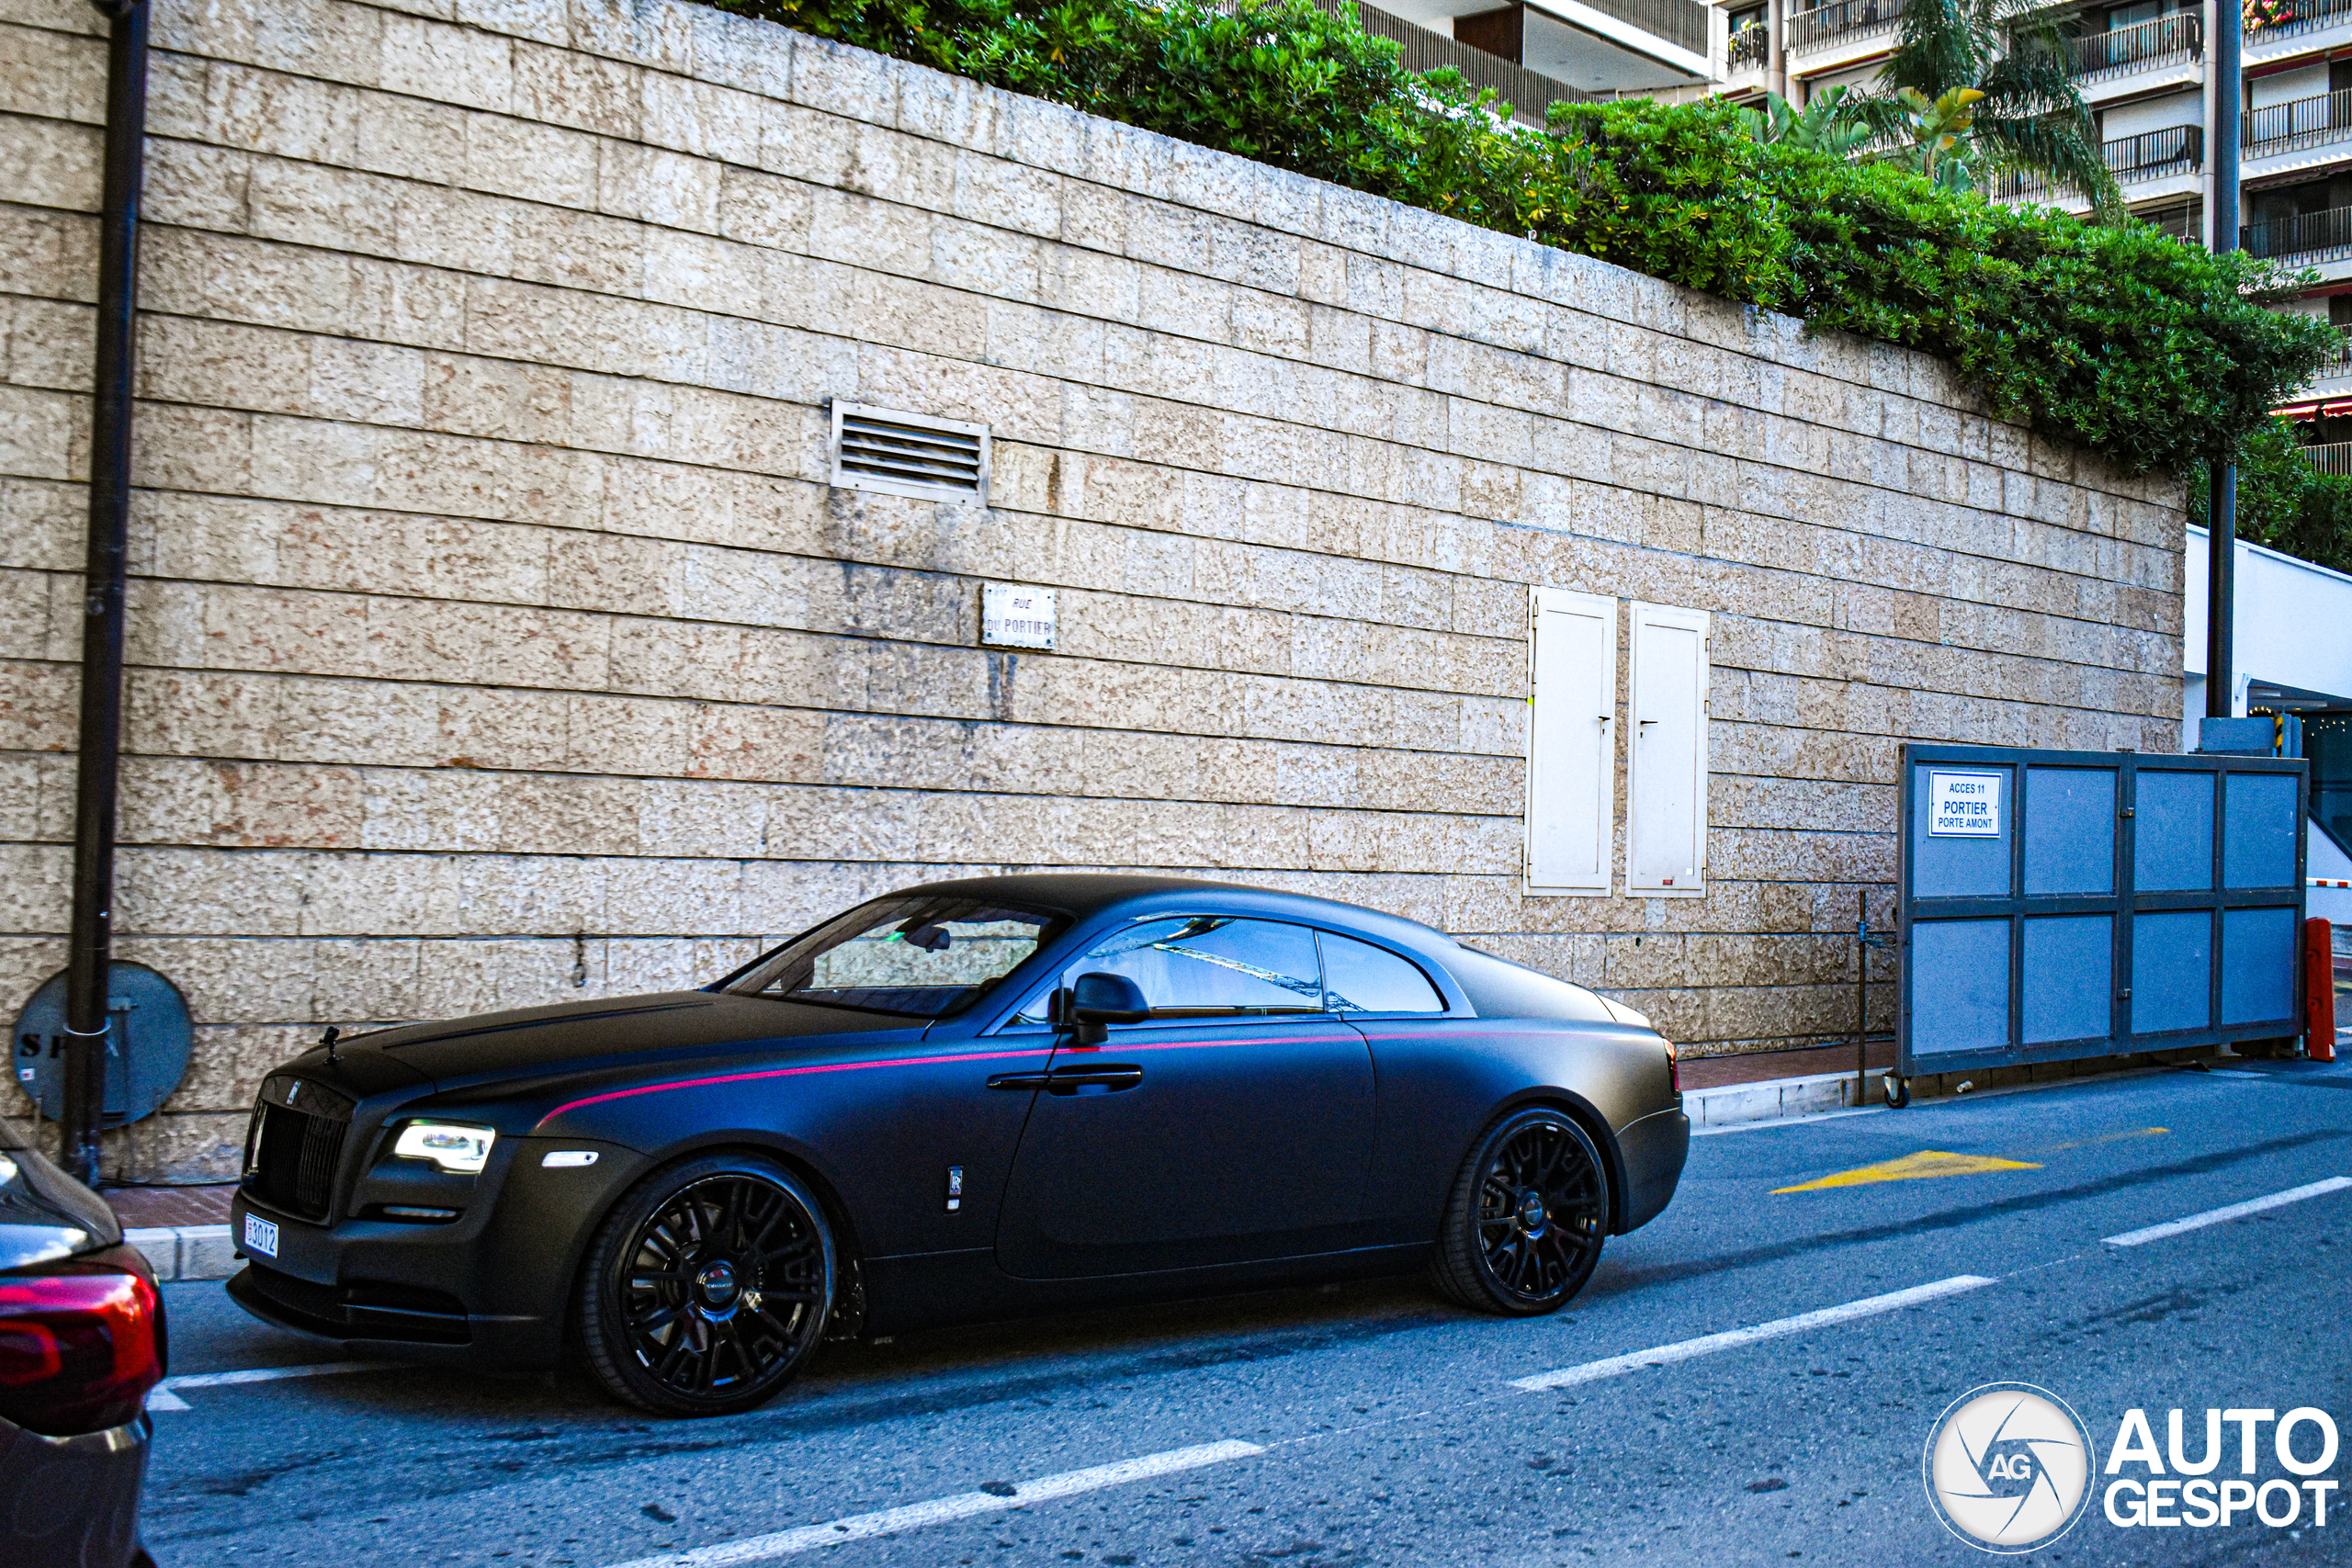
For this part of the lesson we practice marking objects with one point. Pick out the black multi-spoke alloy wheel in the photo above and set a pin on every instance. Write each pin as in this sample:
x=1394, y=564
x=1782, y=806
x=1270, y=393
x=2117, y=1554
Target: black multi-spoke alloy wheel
x=707, y=1286
x=1529, y=1212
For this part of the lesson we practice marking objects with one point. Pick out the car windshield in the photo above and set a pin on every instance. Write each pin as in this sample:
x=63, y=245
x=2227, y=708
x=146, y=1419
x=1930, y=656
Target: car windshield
x=920, y=955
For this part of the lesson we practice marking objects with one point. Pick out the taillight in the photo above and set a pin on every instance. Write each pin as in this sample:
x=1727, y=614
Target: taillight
x=80, y=1342
x=1673, y=1070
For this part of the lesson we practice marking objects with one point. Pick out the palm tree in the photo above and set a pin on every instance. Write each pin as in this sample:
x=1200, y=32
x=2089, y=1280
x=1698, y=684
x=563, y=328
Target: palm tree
x=2026, y=114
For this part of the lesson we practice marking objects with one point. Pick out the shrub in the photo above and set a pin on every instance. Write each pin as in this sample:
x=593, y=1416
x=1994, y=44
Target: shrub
x=2282, y=502
x=2115, y=337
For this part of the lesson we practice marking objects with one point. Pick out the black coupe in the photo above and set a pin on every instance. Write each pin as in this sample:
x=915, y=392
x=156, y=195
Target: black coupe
x=973, y=1099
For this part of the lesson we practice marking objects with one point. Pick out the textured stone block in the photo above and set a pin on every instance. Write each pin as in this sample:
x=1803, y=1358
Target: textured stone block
x=452, y=65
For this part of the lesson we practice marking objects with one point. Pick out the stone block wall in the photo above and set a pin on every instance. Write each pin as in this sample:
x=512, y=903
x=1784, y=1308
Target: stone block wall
x=496, y=639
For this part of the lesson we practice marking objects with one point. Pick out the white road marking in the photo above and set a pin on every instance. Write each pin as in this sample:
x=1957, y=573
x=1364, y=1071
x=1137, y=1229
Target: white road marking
x=947, y=1510
x=2234, y=1212
x=166, y=1395
x=1684, y=1351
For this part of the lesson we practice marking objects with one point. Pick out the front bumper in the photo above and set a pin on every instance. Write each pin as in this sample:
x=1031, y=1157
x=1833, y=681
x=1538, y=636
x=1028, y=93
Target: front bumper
x=488, y=1289
x=1654, y=1149
x=71, y=1502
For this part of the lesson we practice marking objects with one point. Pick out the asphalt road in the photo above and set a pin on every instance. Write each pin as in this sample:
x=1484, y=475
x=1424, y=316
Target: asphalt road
x=1369, y=1424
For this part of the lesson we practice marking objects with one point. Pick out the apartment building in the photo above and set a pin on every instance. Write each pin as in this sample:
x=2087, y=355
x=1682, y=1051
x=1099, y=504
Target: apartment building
x=2140, y=66
x=1601, y=47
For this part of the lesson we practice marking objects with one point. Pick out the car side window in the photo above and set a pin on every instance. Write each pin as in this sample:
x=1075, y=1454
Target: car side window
x=1360, y=977
x=1207, y=967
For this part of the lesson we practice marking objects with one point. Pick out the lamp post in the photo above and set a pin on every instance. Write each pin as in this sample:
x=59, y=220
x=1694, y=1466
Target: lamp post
x=97, y=764
x=2221, y=500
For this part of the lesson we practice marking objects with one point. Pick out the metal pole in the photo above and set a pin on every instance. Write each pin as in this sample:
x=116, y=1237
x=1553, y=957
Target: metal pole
x=2221, y=498
x=90, y=947
x=1861, y=997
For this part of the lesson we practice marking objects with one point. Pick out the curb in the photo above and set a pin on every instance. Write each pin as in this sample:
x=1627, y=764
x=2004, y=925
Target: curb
x=1776, y=1100
x=1780, y=1099
x=185, y=1252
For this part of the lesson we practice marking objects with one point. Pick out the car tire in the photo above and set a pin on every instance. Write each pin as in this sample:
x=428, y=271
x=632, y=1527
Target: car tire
x=1524, y=1225
x=706, y=1287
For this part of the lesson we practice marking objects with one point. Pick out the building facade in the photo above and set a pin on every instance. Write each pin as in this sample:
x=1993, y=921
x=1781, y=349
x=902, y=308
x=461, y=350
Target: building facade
x=2142, y=69
x=526, y=607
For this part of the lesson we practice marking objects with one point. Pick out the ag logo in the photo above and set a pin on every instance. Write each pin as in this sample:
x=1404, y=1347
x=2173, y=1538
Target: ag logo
x=2008, y=1467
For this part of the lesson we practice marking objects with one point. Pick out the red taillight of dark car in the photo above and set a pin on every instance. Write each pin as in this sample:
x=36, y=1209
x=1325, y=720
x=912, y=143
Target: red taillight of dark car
x=80, y=1342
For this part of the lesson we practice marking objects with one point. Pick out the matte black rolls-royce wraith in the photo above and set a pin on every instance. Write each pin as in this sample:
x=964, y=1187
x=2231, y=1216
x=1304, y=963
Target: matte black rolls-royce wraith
x=972, y=1099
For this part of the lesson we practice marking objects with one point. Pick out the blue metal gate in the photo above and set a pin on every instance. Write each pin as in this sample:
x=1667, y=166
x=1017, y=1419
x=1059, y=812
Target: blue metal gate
x=2062, y=904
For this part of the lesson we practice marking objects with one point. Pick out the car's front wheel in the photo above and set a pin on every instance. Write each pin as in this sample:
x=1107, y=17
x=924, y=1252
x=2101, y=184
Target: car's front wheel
x=1524, y=1225
x=707, y=1286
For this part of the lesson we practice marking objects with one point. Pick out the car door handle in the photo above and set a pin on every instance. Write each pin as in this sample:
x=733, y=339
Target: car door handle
x=1109, y=1078
x=1018, y=1080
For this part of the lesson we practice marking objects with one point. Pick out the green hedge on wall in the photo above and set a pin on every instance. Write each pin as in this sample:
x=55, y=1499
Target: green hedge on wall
x=2153, y=352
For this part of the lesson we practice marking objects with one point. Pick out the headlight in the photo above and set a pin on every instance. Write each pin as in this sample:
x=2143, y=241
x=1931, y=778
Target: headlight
x=448, y=1144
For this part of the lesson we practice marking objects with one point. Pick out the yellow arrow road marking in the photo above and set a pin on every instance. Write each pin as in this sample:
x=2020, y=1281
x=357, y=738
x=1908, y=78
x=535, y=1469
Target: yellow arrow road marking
x=1913, y=1168
x=2102, y=1138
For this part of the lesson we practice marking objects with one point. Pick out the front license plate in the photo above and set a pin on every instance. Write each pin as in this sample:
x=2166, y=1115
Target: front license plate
x=261, y=1235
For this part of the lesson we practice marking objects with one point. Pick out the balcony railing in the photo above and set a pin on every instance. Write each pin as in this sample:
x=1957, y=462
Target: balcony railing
x=1751, y=46
x=1826, y=24
x=2151, y=155
x=2156, y=154
x=1529, y=93
x=2314, y=236
x=2334, y=457
x=2338, y=367
x=2305, y=122
x=2269, y=20
x=1682, y=22
x=2178, y=37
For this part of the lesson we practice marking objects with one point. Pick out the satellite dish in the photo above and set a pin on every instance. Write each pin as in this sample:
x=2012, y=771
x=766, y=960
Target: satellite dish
x=148, y=1035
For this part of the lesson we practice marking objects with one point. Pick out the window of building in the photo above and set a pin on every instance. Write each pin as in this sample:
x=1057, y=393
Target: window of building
x=2182, y=218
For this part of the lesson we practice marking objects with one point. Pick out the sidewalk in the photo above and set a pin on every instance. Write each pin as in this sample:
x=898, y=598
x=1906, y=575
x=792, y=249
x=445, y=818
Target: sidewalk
x=183, y=1231
x=1721, y=1091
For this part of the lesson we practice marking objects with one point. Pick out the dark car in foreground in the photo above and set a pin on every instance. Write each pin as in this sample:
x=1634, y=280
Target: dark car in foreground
x=81, y=1343
x=970, y=1099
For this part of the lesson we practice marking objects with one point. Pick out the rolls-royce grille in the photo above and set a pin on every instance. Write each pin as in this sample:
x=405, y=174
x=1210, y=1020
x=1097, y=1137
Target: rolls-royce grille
x=296, y=1147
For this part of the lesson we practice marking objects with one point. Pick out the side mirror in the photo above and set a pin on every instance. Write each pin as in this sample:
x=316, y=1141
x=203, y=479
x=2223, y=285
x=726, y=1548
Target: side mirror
x=1093, y=1001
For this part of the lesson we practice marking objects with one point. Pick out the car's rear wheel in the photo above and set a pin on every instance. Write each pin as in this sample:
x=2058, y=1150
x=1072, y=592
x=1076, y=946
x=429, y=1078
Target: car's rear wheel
x=1528, y=1214
x=707, y=1286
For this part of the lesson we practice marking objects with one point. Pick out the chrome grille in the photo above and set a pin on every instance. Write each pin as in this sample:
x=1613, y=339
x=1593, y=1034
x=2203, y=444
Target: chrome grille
x=295, y=1147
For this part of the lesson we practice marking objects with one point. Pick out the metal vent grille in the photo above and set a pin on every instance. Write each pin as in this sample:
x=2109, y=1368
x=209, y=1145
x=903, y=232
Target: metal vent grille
x=909, y=454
